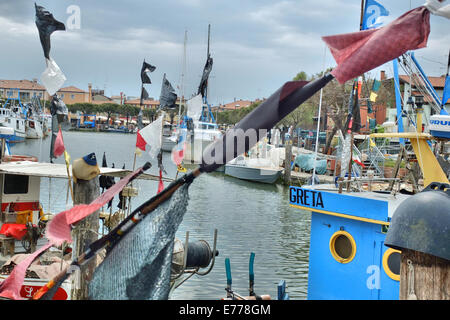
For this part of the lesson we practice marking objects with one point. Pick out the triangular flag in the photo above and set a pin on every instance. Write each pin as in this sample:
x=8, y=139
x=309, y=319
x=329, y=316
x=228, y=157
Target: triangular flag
x=151, y=135
x=140, y=142
x=146, y=67
x=59, y=148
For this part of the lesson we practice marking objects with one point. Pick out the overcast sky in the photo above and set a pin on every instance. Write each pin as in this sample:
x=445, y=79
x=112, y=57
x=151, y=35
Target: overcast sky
x=257, y=45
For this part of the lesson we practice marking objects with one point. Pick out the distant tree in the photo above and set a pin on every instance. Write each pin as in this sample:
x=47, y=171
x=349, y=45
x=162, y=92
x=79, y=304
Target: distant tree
x=109, y=109
x=301, y=76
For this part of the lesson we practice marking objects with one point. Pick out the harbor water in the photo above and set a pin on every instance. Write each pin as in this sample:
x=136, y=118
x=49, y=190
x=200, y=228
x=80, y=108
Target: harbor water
x=250, y=217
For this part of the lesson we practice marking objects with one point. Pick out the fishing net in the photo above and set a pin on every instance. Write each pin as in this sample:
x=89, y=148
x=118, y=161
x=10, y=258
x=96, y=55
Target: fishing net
x=138, y=267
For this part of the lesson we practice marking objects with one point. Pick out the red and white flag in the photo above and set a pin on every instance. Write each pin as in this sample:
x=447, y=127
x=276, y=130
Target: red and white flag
x=150, y=135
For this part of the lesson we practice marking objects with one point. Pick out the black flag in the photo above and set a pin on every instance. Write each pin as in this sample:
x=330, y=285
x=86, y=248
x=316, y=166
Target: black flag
x=353, y=110
x=144, y=95
x=46, y=25
x=168, y=96
x=106, y=182
x=206, y=71
x=140, y=125
x=146, y=67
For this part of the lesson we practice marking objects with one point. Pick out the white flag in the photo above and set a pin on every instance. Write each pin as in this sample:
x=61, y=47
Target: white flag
x=195, y=107
x=52, y=78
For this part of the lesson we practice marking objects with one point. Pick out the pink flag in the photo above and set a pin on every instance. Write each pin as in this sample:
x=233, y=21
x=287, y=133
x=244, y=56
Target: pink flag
x=59, y=148
x=359, y=52
x=58, y=231
x=10, y=288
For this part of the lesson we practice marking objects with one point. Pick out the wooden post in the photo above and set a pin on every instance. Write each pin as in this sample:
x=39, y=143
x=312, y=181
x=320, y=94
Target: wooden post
x=423, y=276
x=287, y=162
x=400, y=157
x=84, y=233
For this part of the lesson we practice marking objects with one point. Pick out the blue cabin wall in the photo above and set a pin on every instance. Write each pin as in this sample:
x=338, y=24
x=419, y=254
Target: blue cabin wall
x=364, y=277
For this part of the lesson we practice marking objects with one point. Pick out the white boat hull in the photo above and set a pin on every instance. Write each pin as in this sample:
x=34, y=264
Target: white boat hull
x=167, y=144
x=31, y=285
x=33, y=130
x=263, y=175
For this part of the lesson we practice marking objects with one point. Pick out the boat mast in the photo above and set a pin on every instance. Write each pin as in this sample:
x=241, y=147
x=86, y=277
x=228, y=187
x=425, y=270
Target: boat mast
x=183, y=72
x=207, y=57
x=349, y=170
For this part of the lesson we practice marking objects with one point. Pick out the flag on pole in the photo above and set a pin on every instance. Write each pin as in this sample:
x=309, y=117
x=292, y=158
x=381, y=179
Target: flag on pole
x=146, y=67
x=204, y=81
x=373, y=15
x=194, y=107
x=168, y=97
x=58, y=148
x=150, y=135
x=376, y=85
x=46, y=25
x=179, y=149
x=362, y=51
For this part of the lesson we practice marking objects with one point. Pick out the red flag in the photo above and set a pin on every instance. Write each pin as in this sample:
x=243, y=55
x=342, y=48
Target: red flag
x=359, y=52
x=140, y=142
x=161, y=183
x=59, y=148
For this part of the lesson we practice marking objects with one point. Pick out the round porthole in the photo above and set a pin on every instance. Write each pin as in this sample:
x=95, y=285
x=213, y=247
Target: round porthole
x=342, y=247
x=391, y=263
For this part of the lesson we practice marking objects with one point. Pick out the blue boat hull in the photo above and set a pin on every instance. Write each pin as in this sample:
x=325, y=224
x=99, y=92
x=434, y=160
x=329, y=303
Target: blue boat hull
x=347, y=256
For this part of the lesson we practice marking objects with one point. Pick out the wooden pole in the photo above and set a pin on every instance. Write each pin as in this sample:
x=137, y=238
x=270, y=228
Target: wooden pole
x=423, y=276
x=85, y=232
x=287, y=161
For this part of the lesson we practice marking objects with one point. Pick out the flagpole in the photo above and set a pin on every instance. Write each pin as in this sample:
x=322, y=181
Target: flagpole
x=318, y=123
x=67, y=169
x=351, y=131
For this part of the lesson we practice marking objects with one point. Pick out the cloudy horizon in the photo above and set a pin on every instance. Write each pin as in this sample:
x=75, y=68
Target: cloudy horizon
x=257, y=45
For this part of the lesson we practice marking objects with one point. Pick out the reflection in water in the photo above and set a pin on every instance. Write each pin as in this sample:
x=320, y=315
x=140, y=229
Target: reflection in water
x=250, y=217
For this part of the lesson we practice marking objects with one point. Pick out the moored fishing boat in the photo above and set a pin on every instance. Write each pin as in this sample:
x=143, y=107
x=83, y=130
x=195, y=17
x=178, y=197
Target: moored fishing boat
x=348, y=258
x=33, y=129
x=258, y=167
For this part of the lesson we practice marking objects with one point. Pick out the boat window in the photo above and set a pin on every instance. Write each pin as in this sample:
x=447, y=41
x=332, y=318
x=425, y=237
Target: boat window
x=15, y=184
x=342, y=247
x=391, y=263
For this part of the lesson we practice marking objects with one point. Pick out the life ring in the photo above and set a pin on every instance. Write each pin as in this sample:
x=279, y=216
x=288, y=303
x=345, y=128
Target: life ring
x=14, y=158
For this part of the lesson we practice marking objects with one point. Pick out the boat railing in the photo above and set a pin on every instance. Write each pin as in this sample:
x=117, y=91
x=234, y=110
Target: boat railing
x=359, y=181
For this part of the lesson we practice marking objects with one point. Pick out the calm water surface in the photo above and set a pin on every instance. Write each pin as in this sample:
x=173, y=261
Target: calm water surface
x=250, y=217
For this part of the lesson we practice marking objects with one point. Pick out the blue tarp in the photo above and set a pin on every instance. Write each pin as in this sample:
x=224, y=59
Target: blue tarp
x=306, y=162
